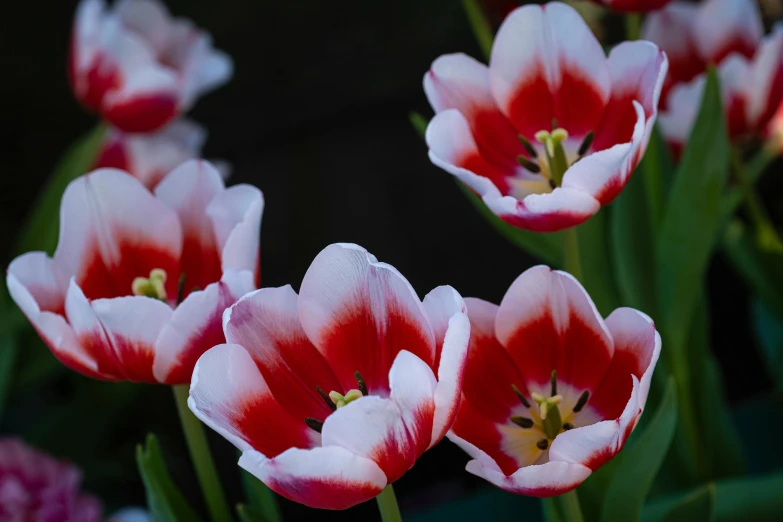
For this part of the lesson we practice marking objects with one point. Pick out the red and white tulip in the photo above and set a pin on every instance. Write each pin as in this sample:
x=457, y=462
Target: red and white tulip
x=335, y=393
x=552, y=130
x=729, y=34
x=150, y=156
x=552, y=391
x=633, y=6
x=138, y=284
x=137, y=67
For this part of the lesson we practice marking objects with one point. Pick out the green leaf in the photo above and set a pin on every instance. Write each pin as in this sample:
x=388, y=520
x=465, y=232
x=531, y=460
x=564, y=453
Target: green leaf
x=42, y=223
x=9, y=348
x=250, y=514
x=260, y=499
x=597, y=274
x=690, y=226
x=481, y=27
x=699, y=505
x=419, y=122
x=165, y=502
x=547, y=247
x=768, y=330
x=634, y=476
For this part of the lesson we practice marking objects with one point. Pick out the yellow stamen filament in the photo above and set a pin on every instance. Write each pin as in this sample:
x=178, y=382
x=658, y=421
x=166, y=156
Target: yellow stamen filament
x=153, y=286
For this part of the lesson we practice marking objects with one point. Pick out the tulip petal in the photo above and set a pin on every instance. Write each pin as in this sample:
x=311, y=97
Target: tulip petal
x=360, y=314
x=188, y=190
x=229, y=395
x=764, y=89
x=324, y=478
x=547, y=322
x=266, y=323
x=113, y=230
x=723, y=27
x=542, y=480
x=196, y=326
x=392, y=432
x=447, y=314
x=547, y=64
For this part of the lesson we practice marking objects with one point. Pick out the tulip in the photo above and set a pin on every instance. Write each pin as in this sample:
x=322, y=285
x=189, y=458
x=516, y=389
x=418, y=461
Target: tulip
x=729, y=34
x=137, y=67
x=552, y=130
x=138, y=283
x=149, y=157
x=551, y=390
x=633, y=6
x=334, y=393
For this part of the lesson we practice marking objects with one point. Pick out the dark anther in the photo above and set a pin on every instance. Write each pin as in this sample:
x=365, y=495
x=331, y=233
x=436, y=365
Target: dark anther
x=552, y=184
x=532, y=166
x=519, y=394
x=542, y=444
x=314, y=424
x=553, y=380
x=528, y=146
x=181, y=288
x=522, y=422
x=582, y=401
x=586, y=143
x=568, y=426
x=360, y=382
x=329, y=402
x=554, y=123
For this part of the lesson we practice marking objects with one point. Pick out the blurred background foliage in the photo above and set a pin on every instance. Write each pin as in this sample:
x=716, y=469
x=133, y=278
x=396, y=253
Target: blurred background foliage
x=317, y=117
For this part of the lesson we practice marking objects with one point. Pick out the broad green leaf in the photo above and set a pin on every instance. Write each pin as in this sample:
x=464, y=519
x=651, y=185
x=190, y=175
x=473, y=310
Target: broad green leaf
x=597, y=273
x=164, y=500
x=419, y=122
x=481, y=27
x=745, y=499
x=549, y=510
x=657, y=171
x=547, y=247
x=248, y=513
x=699, y=505
x=768, y=330
x=43, y=222
x=634, y=476
x=690, y=224
x=260, y=499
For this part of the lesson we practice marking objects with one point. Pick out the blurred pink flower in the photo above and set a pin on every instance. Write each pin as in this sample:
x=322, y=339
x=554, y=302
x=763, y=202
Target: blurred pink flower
x=553, y=129
x=730, y=35
x=139, y=281
x=633, y=6
x=34, y=487
x=138, y=67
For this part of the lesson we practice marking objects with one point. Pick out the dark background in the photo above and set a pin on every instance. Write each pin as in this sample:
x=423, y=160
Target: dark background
x=317, y=117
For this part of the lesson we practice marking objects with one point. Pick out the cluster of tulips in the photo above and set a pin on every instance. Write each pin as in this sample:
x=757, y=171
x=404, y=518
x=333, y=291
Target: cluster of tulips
x=331, y=394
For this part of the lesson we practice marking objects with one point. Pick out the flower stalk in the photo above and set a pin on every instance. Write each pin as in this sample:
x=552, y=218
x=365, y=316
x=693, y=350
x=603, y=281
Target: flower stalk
x=766, y=235
x=572, y=261
x=387, y=505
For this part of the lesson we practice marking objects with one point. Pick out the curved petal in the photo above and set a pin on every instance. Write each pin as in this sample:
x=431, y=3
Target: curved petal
x=681, y=111
x=547, y=64
x=457, y=81
x=723, y=27
x=196, y=326
x=44, y=308
x=113, y=230
x=266, y=323
x=148, y=18
x=635, y=6
x=230, y=396
x=604, y=174
x=188, y=190
x=323, y=478
x=392, y=432
x=236, y=218
x=447, y=315
x=765, y=87
x=547, y=322
x=360, y=314
x=562, y=208
x=542, y=480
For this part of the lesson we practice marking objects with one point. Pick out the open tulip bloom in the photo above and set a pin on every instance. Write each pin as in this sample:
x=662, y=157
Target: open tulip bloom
x=138, y=67
x=138, y=283
x=333, y=394
x=552, y=130
x=729, y=34
x=633, y=6
x=551, y=390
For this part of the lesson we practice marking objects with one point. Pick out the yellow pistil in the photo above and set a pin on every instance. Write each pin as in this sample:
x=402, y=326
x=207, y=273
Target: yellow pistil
x=555, y=154
x=153, y=286
x=551, y=420
x=342, y=400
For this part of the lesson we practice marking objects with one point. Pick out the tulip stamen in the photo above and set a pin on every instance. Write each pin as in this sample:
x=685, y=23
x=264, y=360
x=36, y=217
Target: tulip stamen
x=567, y=426
x=341, y=400
x=529, y=165
x=542, y=444
x=582, y=401
x=586, y=144
x=329, y=402
x=522, y=398
x=153, y=286
x=181, y=288
x=522, y=422
x=360, y=382
x=553, y=382
x=529, y=148
x=314, y=424
x=555, y=153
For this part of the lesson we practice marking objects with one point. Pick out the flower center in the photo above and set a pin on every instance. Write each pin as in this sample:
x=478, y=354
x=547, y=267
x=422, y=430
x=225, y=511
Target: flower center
x=153, y=286
x=547, y=416
x=555, y=162
x=337, y=400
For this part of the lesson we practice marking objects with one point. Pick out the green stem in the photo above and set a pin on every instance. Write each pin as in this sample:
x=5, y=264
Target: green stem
x=482, y=29
x=573, y=265
x=766, y=235
x=568, y=508
x=633, y=26
x=387, y=505
x=202, y=458
x=763, y=159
